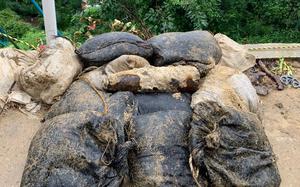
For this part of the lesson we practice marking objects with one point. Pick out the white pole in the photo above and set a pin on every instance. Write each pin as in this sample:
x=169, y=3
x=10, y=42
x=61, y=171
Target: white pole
x=49, y=19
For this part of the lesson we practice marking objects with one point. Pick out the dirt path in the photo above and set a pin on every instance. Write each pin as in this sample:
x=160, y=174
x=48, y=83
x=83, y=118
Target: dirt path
x=16, y=132
x=281, y=121
x=282, y=125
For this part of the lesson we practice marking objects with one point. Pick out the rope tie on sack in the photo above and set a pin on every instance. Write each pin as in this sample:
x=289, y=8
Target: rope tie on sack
x=98, y=93
x=103, y=154
x=102, y=160
x=114, y=142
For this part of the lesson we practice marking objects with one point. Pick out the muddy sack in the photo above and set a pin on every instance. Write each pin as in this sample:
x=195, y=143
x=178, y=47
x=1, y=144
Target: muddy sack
x=234, y=55
x=155, y=102
x=199, y=48
x=98, y=77
x=230, y=148
x=20, y=57
x=119, y=106
x=78, y=98
x=161, y=156
x=11, y=62
x=228, y=144
x=156, y=79
x=85, y=143
x=109, y=46
x=53, y=72
x=74, y=149
x=228, y=87
x=125, y=62
x=7, y=68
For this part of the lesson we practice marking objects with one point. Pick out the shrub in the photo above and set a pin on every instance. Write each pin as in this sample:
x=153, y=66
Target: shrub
x=12, y=23
x=17, y=28
x=243, y=20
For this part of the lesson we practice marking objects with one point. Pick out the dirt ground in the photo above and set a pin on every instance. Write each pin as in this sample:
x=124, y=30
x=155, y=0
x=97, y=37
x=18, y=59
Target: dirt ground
x=282, y=125
x=281, y=121
x=16, y=132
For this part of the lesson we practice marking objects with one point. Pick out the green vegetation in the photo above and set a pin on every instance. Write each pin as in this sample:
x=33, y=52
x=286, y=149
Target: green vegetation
x=11, y=22
x=18, y=28
x=243, y=20
x=283, y=68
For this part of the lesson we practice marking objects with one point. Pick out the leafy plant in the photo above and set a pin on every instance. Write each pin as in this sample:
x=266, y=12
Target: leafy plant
x=19, y=29
x=12, y=23
x=282, y=67
x=34, y=37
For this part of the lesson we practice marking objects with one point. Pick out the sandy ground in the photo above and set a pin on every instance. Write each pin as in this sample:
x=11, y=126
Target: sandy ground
x=281, y=121
x=282, y=125
x=16, y=132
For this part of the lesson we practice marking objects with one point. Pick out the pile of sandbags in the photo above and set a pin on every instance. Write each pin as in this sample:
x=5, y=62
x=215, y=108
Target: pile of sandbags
x=130, y=122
